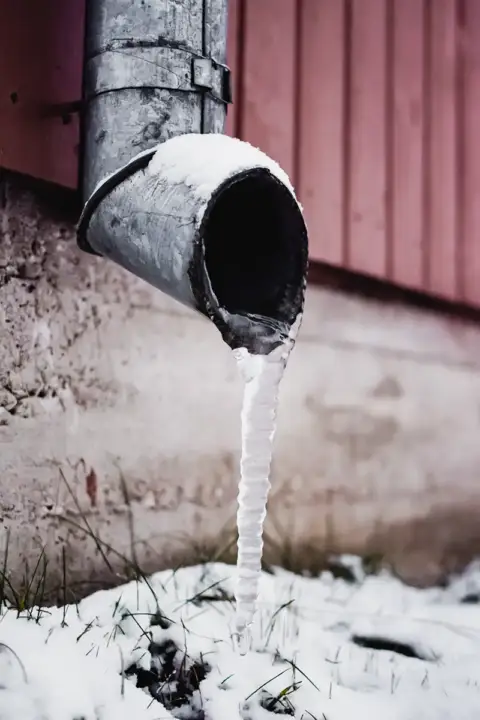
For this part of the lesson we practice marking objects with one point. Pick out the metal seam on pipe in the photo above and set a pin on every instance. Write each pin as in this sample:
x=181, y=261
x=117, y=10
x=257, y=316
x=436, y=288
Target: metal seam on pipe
x=159, y=67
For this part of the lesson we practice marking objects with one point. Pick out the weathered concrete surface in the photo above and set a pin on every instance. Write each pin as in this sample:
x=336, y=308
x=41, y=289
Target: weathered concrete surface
x=120, y=418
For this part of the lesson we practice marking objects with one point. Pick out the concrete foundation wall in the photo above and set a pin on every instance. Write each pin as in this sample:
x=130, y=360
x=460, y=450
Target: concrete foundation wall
x=119, y=418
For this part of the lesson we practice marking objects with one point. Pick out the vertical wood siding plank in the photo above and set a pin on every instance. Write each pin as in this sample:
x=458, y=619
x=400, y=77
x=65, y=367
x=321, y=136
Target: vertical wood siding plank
x=321, y=146
x=441, y=267
x=367, y=213
x=470, y=46
x=407, y=151
x=268, y=83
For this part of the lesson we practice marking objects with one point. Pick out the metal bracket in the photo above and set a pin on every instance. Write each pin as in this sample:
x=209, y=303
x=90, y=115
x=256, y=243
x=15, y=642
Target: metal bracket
x=203, y=76
x=160, y=66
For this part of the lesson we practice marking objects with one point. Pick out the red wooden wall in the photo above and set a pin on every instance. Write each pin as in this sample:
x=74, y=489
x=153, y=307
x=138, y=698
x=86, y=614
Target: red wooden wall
x=371, y=106
x=41, y=51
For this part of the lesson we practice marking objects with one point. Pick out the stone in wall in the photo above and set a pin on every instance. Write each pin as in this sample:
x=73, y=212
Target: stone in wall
x=95, y=373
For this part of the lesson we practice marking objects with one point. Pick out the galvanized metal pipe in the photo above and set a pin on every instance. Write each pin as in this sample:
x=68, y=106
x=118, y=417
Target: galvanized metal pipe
x=154, y=69
x=207, y=219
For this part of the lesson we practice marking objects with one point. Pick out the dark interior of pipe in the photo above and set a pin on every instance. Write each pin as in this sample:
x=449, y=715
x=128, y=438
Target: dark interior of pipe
x=255, y=246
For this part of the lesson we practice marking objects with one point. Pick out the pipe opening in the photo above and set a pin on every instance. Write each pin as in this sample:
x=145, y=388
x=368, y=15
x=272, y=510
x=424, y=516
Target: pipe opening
x=254, y=240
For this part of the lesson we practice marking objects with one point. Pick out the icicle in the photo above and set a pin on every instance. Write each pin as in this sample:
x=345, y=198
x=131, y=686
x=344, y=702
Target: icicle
x=262, y=375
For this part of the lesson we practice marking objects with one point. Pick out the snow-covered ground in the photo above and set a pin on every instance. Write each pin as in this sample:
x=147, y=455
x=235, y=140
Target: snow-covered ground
x=323, y=648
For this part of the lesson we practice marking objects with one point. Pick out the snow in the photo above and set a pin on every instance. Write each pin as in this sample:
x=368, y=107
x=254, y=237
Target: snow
x=205, y=161
x=312, y=653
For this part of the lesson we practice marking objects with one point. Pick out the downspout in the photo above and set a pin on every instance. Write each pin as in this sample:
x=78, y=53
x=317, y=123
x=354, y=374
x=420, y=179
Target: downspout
x=208, y=219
